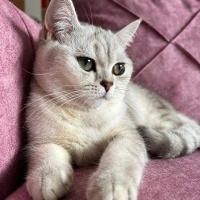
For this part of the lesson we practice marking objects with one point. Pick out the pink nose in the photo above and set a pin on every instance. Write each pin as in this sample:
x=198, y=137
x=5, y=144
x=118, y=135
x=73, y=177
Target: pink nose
x=107, y=85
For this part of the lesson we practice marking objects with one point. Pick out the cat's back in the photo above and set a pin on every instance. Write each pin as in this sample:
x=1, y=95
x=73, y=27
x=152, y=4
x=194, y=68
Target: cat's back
x=145, y=106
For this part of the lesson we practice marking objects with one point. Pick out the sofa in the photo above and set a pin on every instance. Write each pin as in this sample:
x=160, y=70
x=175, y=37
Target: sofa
x=166, y=57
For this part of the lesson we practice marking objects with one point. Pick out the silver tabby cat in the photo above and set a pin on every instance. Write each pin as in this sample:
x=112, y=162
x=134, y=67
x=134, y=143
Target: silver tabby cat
x=83, y=109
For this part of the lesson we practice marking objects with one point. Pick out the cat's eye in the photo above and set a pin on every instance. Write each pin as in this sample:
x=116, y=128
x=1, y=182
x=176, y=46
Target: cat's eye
x=87, y=64
x=118, y=69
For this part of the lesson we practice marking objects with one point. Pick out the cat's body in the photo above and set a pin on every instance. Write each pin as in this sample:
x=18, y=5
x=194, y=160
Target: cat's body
x=84, y=132
x=83, y=108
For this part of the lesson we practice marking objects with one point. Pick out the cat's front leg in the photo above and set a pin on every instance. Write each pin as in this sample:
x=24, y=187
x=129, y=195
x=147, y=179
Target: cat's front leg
x=120, y=169
x=50, y=172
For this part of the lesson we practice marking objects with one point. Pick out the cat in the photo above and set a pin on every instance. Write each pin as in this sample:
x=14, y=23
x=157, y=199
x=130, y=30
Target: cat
x=83, y=109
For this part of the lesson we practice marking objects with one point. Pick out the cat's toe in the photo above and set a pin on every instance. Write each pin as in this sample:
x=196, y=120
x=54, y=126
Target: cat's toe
x=102, y=188
x=33, y=185
x=49, y=184
x=55, y=186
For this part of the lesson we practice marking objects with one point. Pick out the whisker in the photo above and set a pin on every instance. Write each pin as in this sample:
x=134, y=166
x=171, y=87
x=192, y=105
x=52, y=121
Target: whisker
x=86, y=14
x=37, y=74
x=90, y=11
x=50, y=101
x=45, y=102
x=45, y=96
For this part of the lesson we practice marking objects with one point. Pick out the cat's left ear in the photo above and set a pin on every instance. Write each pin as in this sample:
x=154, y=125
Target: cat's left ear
x=60, y=18
x=127, y=34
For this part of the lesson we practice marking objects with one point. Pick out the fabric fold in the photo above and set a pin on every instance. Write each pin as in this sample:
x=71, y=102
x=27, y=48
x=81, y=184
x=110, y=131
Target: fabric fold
x=189, y=38
x=167, y=17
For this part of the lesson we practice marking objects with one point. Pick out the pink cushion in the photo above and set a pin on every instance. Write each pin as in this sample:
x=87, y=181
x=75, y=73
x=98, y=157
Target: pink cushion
x=17, y=37
x=166, y=58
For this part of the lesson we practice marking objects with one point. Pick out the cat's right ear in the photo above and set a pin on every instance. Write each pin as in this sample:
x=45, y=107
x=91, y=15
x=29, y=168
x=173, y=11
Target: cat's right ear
x=60, y=19
x=126, y=35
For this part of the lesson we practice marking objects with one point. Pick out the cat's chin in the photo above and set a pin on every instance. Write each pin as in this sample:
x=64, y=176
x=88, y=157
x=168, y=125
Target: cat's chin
x=102, y=101
x=97, y=102
x=93, y=102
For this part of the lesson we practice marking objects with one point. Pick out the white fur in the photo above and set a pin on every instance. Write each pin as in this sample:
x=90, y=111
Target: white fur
x=72, y=119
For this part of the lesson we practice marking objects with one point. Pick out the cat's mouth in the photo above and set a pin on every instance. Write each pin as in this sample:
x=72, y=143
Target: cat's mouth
x=96, y=94
x=105, y=96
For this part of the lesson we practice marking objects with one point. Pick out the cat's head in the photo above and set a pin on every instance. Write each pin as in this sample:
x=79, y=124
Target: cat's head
x=79, y=63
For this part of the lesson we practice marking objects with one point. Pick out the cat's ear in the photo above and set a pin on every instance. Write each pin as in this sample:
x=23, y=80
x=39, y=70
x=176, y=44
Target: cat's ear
x=127, y=34
x=60, y=19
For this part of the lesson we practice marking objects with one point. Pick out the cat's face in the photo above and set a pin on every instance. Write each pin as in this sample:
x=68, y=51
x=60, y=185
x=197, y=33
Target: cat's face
x=83, y=64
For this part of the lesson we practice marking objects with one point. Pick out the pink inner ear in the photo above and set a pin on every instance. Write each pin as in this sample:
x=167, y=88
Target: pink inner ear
x=45, y=34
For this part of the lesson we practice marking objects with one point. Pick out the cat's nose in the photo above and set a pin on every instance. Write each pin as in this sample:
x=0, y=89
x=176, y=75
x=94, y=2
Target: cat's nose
x=106, y=84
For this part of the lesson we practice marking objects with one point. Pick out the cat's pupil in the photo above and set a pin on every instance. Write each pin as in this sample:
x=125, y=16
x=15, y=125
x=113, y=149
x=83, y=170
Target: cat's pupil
x=86, y=63
x=118, y=69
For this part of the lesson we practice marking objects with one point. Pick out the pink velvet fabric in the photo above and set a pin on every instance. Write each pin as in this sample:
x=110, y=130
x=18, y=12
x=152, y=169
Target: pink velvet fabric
x=17, y=35
x=166, y=57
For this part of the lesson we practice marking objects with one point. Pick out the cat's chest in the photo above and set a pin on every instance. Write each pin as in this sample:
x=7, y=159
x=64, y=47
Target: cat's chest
x=95, y=122
x=88, y=133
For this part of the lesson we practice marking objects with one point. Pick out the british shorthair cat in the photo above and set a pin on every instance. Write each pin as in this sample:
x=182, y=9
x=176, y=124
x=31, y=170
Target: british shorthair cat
x=83, y=109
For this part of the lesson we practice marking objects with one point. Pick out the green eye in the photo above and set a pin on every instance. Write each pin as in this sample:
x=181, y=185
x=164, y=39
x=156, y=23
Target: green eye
x=86, y=64
x=118, y=69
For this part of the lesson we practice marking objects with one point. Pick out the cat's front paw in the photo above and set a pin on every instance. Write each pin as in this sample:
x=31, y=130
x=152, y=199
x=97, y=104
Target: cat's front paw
x=49, y=184
x=103, y=186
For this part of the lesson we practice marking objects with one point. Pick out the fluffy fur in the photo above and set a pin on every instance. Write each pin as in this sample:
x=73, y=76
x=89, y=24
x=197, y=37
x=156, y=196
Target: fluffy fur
x=73, y=118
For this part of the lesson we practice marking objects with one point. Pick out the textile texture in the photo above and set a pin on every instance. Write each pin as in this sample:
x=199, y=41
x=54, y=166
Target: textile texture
x=16, y=57
x=166, y=59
